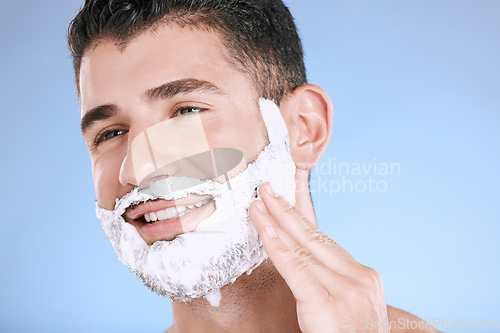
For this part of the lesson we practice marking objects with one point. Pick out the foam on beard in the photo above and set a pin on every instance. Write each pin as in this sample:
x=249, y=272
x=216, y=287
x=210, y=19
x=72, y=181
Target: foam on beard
x=225, y=245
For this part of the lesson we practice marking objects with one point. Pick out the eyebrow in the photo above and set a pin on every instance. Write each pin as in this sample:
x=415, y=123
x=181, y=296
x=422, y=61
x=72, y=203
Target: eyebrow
x=99, y=113
x=165, y=91
x=184, y=86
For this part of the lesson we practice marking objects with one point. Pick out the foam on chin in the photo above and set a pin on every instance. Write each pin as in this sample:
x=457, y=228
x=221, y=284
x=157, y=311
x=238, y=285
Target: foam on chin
x=225, y=245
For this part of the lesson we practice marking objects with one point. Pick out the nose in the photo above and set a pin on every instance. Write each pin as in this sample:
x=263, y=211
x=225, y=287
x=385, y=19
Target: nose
x=127, y=174
x=140, y=160
x=157, y=151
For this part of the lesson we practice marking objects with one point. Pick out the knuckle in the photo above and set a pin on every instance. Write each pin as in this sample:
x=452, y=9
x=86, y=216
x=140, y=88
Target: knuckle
x=287, y=208
x=364, y=287
x=301, y=252
x=304, y=257
x=316, y=235
x=370, y=278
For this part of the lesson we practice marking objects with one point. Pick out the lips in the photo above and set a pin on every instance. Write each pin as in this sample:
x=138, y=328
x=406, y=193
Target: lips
x=166, y=219
x=158, y=205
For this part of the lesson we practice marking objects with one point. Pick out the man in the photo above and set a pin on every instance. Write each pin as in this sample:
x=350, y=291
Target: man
x=179, y=103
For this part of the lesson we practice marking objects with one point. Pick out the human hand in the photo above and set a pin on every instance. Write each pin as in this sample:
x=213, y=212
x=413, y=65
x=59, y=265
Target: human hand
x=334, y=292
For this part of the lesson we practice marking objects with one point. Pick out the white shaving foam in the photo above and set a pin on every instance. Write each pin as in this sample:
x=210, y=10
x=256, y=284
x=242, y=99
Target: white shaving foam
x=225, y=245
x=214, y=298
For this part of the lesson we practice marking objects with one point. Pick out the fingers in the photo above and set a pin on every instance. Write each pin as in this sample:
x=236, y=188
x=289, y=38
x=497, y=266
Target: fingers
x=325, y=280
x=277, y=239
x=306, y=233
x=305, y=275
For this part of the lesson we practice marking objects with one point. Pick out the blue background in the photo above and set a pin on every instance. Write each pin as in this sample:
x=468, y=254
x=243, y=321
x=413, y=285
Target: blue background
x=412, y=82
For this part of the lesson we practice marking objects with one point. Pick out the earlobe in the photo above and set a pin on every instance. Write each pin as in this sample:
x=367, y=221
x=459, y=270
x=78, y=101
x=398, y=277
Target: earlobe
x=309, y=113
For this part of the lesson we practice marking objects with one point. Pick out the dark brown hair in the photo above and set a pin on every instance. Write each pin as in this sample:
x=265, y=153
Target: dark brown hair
x=259, y=35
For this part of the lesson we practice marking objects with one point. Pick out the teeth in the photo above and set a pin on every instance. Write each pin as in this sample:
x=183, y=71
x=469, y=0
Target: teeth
x=170, y=212
x=162, y=215
x=153, y=216
x=173, y=212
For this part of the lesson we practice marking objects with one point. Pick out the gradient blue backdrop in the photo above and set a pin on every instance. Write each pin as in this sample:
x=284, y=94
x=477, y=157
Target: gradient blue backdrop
x=412, y=82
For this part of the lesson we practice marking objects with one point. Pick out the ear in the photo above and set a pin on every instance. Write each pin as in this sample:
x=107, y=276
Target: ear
x=308, y=114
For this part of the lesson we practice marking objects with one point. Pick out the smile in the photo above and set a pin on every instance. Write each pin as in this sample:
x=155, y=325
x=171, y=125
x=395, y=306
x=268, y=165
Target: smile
x=173, y=212
x=166, y=219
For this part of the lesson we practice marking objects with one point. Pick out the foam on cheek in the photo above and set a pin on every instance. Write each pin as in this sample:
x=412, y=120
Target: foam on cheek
x=225, y=245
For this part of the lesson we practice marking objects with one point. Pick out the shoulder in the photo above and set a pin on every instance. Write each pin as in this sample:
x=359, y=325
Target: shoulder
x=403, y=322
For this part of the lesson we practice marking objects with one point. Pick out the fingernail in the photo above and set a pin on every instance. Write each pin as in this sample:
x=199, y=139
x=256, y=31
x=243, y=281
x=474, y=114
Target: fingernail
x=270, y=231
x=261, y=207
x=269, y=188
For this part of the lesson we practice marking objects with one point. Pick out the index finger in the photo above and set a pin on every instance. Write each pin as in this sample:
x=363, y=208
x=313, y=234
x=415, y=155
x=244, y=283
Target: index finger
x=306, y=233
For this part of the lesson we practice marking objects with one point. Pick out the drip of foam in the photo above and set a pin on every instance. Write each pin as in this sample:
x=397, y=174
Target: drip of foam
x=225, y=245
x=214, y=298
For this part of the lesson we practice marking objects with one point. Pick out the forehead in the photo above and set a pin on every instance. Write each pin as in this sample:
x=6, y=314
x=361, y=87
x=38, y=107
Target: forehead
x=109, y=73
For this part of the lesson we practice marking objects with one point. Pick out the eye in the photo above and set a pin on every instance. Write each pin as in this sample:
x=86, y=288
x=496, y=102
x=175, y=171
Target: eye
x=109, y=135
x=185, y=110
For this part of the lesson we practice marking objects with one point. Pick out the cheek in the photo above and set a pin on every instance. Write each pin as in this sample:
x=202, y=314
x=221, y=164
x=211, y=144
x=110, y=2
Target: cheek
x=245, y=132
x=106, y=172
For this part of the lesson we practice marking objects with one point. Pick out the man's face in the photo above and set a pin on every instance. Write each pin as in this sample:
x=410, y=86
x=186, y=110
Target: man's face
x=176, y=138
x=162, y=76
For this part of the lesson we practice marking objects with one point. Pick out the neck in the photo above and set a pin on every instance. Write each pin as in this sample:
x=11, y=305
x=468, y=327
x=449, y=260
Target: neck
x=259, y=302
